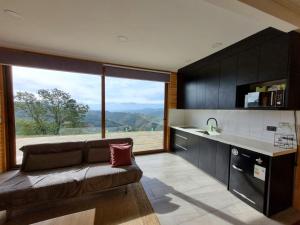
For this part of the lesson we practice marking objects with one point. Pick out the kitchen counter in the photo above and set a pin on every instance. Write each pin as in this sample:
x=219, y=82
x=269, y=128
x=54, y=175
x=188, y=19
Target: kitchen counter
x=250, y=144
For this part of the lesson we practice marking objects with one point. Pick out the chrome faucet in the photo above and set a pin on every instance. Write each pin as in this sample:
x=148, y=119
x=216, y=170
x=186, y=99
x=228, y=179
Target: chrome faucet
x=211, y=127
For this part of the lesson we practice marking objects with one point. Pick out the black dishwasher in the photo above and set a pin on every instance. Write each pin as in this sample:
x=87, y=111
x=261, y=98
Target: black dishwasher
x=248, y=174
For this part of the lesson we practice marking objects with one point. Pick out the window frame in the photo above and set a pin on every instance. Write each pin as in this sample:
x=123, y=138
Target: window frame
x=10, y=119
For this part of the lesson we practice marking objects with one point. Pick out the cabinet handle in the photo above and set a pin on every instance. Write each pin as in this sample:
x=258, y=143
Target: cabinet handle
x=248, y=156
x=181, y=147
x=244, y=196
x=181, y=136
x=237, y=168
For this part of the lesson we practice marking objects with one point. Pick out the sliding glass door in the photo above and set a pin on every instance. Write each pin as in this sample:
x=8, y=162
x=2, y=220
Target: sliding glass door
x=135, y=108
x=54, y=106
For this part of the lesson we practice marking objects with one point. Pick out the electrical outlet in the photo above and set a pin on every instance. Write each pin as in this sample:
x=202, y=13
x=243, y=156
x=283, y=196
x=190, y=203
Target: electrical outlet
x=271, y=128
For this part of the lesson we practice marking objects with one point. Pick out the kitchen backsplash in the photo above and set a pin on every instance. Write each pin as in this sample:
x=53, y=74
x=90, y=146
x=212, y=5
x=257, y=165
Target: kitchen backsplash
x=245, y=123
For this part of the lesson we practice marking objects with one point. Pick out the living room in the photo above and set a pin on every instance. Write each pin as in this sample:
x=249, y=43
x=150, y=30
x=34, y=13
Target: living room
x=149, y=112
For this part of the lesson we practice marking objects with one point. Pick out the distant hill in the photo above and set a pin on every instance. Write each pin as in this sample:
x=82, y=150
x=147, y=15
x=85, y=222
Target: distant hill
x=133, y=120
x=129, y=107
x=144, y=119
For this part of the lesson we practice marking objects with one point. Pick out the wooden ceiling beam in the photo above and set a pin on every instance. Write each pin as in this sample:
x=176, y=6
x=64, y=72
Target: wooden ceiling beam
x=287, y=10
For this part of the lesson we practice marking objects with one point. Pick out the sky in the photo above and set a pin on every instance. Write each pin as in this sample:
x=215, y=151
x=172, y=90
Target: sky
x=86, y=88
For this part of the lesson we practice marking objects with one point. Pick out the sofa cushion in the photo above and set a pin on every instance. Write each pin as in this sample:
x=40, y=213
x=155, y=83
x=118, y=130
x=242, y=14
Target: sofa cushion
x=95, y=155
x=42, y=186
x=73, y=155
x=98, y=150
x=102, y=176
x=52, y=160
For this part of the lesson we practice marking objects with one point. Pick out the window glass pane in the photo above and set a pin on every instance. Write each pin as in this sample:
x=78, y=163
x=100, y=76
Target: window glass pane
x=54, y=106
x=135, y=108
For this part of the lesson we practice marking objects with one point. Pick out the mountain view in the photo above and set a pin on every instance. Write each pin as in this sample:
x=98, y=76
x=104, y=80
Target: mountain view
x=139, y=120
x=134, y=120
x=63, y=103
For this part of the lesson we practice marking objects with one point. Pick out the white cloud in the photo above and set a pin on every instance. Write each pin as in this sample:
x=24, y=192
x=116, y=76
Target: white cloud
x=86, y=88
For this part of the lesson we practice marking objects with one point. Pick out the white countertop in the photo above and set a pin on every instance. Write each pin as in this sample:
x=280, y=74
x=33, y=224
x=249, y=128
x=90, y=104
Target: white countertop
x=250, y=144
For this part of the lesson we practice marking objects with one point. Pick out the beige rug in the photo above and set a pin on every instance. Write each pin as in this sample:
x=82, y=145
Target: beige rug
x=112, y=207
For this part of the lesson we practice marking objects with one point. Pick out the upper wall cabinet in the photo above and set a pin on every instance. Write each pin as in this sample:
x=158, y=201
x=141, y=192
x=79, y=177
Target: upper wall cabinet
x=248, y=66
x=212, y=79
x=190, y=95
x=223, y=79
x=228, y=77
x=274, y=58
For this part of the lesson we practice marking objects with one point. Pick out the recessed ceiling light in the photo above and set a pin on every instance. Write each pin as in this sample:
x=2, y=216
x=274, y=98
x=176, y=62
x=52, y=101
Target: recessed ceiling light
x=216, y=44
x=122, y=38
x=12, y=13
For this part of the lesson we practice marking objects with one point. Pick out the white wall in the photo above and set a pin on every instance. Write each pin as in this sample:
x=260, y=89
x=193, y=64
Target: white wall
x=245, y=123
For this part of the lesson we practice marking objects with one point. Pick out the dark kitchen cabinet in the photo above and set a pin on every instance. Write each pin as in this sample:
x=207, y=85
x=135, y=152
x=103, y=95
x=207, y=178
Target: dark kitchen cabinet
x=263, y=182
x=185, y=145
x=273, y=63
x=222, y=79
x=179, y=142
x=190, y=96
x=201, y=90
x=222, y=162
x=227, y=89
x=212, y=74
x=192, y=153
x=210, y=156
x=248, y=66
x=207, y=155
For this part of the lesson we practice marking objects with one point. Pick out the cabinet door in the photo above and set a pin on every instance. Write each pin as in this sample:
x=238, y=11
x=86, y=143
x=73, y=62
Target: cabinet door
x=190, y=93
x=207, y=155
x=179, y=143
x=248, y=66
x=228, y=76
x=192, y=149
x=273, y=63
x=212, y=80
x=200, y=91
x=222, y=162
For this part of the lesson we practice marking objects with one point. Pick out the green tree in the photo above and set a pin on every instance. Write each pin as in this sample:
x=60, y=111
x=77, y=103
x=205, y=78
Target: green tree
x=34, y=108
x=51, y=110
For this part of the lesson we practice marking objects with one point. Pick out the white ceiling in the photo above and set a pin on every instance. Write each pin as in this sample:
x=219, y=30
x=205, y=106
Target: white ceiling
x=162, y=34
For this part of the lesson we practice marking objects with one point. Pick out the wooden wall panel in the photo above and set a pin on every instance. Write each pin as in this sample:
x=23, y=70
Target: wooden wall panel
x=172, y=102
x=3, y=160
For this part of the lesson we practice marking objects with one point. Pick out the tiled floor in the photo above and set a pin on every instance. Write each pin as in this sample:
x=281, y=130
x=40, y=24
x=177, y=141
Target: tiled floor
x=182, y=194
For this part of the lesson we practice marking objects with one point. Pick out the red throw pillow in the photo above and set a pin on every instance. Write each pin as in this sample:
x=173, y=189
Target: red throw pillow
x=122, y=144
x=120, y=155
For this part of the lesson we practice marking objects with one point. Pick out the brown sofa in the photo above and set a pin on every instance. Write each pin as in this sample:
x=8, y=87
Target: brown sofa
x=51, y=172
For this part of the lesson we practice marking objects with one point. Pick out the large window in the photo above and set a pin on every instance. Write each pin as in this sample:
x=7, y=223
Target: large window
x=135, y=108
x=55, y=106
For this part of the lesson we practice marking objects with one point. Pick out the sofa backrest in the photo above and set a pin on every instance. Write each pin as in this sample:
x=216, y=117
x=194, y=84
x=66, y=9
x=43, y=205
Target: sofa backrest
x=57, y=155
x=51, y=156
x=98, y=150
